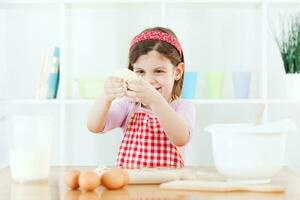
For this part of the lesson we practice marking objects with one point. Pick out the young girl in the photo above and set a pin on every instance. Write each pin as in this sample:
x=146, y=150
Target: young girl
x=155, y=121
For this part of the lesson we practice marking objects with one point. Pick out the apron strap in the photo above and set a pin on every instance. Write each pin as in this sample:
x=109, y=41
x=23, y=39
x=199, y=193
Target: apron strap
x=132, y=110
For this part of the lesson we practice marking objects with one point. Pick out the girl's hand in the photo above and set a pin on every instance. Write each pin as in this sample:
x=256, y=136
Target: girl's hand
x=114, y=87
x=141, y=91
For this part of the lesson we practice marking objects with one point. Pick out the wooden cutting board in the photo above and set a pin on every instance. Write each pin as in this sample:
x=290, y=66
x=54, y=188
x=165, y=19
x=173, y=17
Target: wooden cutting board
x=219, y=186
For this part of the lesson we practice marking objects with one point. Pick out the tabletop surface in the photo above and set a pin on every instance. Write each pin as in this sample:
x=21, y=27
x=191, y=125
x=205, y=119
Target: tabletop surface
x=55, y=189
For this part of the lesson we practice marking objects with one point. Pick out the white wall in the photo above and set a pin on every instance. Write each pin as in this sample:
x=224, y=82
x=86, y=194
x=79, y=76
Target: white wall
x=3, y=146
x=28, y=40
x=85, y=148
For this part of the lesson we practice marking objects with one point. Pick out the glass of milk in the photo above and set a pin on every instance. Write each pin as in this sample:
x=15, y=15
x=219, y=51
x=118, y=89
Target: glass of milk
x=30, y=144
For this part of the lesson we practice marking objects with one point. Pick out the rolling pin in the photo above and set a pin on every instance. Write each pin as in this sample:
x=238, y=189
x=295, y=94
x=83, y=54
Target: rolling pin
x=219, y=186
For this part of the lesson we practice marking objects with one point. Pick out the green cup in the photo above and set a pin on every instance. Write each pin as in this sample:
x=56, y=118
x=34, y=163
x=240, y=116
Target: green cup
x=90, y=88
x=215, y=85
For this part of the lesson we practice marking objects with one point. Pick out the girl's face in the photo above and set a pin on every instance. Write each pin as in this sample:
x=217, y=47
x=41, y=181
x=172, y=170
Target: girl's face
x=159, y=72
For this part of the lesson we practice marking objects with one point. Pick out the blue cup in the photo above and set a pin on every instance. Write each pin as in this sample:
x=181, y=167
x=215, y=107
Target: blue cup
x=189, y=85
x=241, y=84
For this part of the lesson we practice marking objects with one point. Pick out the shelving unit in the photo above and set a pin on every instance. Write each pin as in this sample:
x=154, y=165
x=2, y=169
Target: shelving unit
x=94, y=37
x=195, y=101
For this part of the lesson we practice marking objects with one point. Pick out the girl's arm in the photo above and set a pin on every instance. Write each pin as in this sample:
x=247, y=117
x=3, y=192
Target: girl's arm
x=174, y=125
x=98, y=115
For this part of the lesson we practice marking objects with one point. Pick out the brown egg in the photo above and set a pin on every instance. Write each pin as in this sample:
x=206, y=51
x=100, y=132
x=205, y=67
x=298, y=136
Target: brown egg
x=71, y=178
x=113, y=179
x=89, y=181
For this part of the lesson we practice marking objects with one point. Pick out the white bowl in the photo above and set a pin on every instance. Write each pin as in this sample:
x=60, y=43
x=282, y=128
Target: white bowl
x=244, y=153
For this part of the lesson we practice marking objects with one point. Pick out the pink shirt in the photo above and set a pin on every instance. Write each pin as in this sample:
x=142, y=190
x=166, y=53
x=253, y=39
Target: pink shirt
x=120, y=109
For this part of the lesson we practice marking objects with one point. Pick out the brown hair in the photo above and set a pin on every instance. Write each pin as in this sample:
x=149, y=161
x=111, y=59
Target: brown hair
x=164, y=48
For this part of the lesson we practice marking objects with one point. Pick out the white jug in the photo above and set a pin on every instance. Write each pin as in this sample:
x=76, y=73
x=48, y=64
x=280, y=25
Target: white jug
x=30, y=147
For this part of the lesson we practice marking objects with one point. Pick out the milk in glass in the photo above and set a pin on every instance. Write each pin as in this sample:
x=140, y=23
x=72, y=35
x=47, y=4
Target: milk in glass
x=30, y=147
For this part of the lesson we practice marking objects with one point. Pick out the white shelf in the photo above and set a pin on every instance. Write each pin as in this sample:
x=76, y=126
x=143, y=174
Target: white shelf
x=19, y=4
x=79, y=102
x=134, y=1
x=37, y=102
x=51, y=102
x=195, y=101
x=282, y=101
x=149, y=1
x=228, y=101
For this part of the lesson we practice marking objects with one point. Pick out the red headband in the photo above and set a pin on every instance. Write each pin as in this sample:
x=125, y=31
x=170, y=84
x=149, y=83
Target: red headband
x=156, y=35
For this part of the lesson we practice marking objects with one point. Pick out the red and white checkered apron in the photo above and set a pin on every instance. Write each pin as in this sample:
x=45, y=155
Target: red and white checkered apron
x=145, y=144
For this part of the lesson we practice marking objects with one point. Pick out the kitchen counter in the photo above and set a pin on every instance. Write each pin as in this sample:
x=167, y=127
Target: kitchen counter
x=55, y=189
